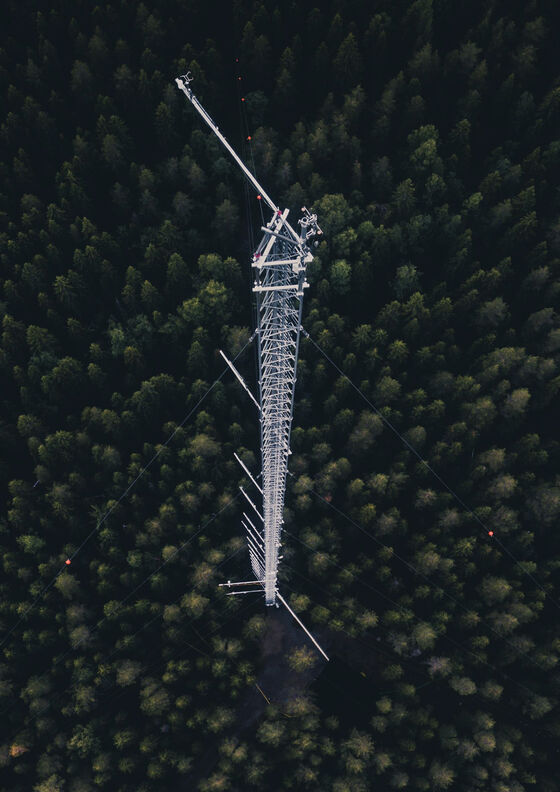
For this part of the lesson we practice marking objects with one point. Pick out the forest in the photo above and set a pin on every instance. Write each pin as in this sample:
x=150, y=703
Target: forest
x=421, y=541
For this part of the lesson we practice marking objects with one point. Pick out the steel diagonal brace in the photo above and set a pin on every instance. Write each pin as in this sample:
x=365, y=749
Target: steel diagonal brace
x=295, y=240
x=262, y=256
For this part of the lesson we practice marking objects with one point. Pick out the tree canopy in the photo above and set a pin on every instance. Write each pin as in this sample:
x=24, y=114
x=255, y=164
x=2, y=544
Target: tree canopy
x=425, y=136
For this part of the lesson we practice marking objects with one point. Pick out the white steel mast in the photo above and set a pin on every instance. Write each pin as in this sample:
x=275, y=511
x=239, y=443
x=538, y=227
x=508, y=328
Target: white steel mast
x=279, y=264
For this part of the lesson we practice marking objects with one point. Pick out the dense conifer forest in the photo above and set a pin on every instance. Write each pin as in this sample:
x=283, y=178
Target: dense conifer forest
x=425, y=136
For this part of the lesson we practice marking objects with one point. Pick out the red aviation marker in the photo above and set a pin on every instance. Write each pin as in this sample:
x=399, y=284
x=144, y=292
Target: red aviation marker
x=248, y=137
x=67, y=562
x=259, y=197
x=490, y=533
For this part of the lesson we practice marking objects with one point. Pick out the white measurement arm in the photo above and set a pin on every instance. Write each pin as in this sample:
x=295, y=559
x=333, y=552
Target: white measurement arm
x=183, y=85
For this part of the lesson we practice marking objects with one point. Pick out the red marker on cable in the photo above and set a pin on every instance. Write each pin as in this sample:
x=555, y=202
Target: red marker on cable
x=67, y=562
x=490, y=533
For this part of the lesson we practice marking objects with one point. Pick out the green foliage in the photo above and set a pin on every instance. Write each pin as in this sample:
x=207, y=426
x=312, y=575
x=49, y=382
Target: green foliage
x=424, y=136
x=301, y=659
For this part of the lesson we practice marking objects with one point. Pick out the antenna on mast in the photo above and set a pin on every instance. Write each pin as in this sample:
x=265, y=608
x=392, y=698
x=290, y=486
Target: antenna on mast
x=279, y=267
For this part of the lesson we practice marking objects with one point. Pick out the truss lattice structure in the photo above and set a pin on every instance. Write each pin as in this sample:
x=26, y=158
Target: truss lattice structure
x=279, y=266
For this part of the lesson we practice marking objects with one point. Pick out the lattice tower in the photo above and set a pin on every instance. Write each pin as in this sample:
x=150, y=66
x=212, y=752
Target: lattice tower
x=279, y=265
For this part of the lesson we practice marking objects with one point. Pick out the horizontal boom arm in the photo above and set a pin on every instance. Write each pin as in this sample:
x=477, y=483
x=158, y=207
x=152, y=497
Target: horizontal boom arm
x=183, y=85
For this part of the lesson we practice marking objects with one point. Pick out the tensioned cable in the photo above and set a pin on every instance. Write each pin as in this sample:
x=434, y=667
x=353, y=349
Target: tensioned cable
x=435, y=586
x=175, y=656
x=157, y=663
x=247, y=133
x=426, y=464
x=122, y=496
x=244, y=126
x=151, y=575
x=108, y=691
x=160, y=615
x=391, y=654
x=244, y=134
x=130, y=637
x=404, y=659
x=250, y=141
x=421, y=621
x=387, y=651
x=402, y=609
x=148, y=577
x=255, y=172
x=367, y=585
